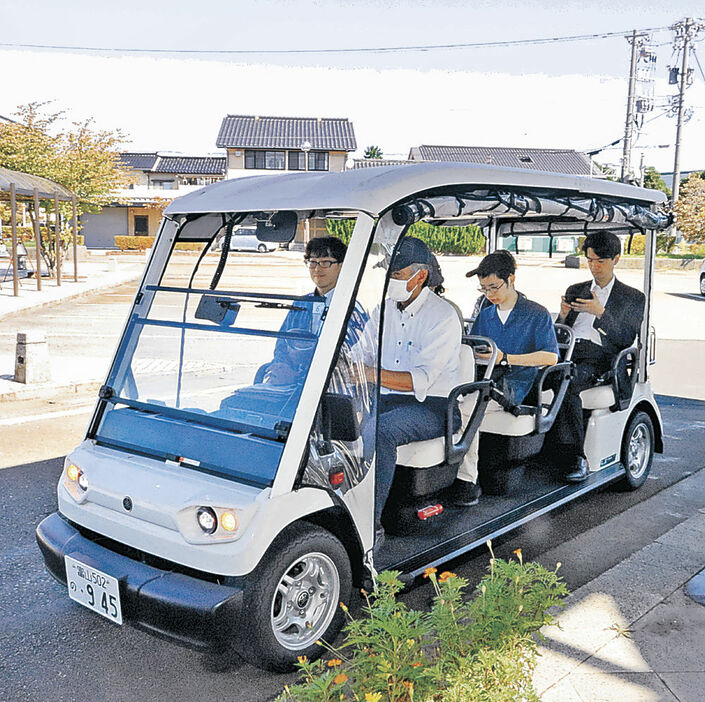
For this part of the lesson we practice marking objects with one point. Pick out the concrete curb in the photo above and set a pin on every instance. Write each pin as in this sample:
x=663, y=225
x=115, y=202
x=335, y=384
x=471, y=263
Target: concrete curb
x=73, y=295
x=38, y=392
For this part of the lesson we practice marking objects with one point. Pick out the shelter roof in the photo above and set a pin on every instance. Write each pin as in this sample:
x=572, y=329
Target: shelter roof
x=254, y=132
x=553, y=160
x=25, y=184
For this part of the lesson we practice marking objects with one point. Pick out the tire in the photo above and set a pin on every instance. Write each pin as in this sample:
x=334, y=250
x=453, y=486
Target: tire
x=306, y=564
x=702, y=285
x=637, y=451
x=262, y=248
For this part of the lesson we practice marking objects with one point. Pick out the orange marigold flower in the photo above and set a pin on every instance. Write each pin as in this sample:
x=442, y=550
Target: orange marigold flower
x=333, y=662
x=446, y=575
x=429, y=571
x=517, y=553
x=302, y=659
x=417, y=664
x=340, y=678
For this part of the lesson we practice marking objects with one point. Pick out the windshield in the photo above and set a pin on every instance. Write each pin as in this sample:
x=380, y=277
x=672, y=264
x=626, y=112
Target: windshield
x=215, y=357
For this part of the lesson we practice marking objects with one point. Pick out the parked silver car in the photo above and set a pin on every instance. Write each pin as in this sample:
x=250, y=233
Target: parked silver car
x=245, y=239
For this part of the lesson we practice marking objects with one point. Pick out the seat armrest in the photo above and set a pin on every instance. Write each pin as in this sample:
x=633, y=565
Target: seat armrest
x=565, y=370
x=456, y=452
x=623, y=391
x=474, y=341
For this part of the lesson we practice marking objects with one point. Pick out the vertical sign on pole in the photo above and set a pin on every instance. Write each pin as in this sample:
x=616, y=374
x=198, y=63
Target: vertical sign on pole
x=57, y=237
x=37, y=240
x=13, y=220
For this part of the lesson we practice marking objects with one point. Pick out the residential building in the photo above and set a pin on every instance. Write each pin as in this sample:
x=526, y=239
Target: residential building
x=266, y=145
x=156, y=180
x=554, y=160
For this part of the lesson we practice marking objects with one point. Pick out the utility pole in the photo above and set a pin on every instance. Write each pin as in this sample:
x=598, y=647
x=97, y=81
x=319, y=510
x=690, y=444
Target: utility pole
x=681, y=107
x=686, y=31
x=629, y=124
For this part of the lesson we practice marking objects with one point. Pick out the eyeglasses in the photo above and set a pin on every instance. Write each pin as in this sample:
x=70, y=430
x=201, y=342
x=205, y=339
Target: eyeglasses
x=491, y=288
x=322, y=263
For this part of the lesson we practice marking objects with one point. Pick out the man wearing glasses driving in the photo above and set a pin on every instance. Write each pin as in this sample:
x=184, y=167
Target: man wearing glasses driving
x=324, y=259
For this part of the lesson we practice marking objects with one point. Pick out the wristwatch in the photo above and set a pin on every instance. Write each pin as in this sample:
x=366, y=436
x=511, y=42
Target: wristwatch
x=504, y=361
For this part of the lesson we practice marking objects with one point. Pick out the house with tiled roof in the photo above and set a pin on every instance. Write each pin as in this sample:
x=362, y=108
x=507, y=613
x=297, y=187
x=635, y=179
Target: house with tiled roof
x=156, y=178
x=554, y=160
x=265, y=145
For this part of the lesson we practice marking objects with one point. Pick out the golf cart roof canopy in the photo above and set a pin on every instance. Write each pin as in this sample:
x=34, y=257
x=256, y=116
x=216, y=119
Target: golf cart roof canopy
x=373, y=190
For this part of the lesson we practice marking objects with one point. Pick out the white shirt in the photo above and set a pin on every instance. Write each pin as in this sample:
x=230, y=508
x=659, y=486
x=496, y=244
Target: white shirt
x=582, y=327
x=423, y=339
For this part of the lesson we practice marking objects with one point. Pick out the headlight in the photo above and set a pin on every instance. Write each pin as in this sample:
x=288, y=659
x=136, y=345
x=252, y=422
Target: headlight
x=72, y=472
x=207, y=520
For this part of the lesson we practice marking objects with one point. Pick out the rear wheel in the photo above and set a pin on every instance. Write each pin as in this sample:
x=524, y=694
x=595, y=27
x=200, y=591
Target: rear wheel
x=262, y=248
x=637, y=451
x=292, y=598
x=702, y=284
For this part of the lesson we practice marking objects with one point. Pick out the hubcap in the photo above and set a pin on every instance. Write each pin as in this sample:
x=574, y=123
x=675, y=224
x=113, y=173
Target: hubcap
x=639, y=450
x=305, y=601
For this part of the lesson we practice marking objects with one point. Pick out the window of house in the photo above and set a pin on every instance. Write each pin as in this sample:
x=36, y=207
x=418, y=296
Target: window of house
x=265, y=160
x=297, y=161
x=141, y=225
x=164, y=184
x=318, y=161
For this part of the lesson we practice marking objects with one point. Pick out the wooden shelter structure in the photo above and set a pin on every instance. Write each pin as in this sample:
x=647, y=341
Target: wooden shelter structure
x=19, y=186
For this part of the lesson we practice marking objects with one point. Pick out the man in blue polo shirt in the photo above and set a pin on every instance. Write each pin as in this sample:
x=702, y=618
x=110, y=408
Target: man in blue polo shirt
x=525, y=338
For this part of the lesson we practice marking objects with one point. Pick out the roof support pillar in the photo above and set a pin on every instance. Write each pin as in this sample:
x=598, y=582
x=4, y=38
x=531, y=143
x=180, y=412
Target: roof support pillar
x=13, y=224
x=75, y=240
x=37, y=240
x=57, y=238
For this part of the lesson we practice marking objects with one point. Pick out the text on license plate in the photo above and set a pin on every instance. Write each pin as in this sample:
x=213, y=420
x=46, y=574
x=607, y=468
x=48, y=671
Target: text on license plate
x=93, y=589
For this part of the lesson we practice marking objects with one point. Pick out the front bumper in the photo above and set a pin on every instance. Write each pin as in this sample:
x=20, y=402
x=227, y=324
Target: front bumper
x=183, y=608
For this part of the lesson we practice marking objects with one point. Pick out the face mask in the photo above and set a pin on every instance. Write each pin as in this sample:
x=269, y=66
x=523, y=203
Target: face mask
x=396, y=290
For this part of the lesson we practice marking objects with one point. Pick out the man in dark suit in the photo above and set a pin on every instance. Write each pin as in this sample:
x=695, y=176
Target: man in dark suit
x=606, y=317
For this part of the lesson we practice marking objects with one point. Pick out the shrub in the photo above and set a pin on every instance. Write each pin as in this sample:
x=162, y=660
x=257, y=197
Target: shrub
x=441, y=240
x=478, y=650
x=142, y=243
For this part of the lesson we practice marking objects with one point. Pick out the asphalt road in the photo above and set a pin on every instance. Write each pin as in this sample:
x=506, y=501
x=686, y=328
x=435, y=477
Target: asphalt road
x=52, y=648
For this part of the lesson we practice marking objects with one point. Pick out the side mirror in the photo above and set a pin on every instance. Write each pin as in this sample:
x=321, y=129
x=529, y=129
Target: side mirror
x=280, y=229
x=339, y=418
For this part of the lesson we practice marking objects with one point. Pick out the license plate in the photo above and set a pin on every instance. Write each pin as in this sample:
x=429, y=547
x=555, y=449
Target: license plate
x=93, y=589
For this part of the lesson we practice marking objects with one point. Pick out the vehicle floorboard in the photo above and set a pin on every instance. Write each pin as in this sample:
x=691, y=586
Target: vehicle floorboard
x=461, y=529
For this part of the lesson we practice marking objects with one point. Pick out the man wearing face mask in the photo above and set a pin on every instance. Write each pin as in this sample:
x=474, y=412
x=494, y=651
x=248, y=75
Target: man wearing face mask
x=420, y=361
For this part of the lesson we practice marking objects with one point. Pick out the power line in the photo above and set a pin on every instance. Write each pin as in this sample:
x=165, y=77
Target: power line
x=379, y=49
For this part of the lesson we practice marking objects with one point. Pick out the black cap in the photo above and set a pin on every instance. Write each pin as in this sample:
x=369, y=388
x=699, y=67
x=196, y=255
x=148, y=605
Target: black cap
x=500, y=262
x=411, y=250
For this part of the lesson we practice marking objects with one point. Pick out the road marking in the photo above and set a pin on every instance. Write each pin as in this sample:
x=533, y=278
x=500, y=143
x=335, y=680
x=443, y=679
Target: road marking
x=12, y=421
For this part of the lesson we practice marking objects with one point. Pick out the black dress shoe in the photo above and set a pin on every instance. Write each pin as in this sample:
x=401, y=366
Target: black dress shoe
x=464, y=493
x=580, y=471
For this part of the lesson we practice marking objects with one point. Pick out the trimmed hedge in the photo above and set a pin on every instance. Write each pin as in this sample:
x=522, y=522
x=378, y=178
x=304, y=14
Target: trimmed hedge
x=142, y=243
x=441, y=240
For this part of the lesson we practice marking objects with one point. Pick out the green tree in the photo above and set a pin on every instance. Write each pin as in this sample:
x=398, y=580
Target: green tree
x=373, y=152
x=81, y=158
x=690, y=209
x=653, y=180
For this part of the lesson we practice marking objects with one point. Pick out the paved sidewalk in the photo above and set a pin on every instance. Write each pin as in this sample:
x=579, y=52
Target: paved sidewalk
x=95, y=274
x=632, y=634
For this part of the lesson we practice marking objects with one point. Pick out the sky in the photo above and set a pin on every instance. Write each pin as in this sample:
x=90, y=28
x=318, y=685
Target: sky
x=554, y=95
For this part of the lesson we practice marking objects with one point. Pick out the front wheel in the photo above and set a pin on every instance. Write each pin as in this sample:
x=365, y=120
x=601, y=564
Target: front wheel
x=702, y=284
x=293, y=598
x=637, y=451
x=262, y=248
